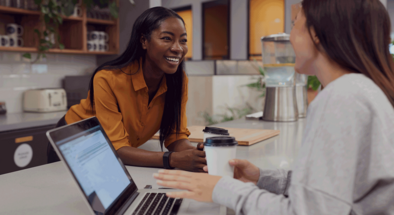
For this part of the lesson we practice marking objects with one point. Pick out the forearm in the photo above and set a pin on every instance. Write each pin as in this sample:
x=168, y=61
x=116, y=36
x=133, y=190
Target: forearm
x=180, y=145
x=139, y=157
x=275, y=181
x=246, y=198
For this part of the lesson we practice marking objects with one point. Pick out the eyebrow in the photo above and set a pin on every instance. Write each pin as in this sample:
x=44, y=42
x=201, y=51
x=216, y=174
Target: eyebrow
x=168, y=32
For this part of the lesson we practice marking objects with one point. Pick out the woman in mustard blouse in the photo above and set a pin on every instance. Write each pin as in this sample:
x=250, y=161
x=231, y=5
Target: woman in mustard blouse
x=144, y=91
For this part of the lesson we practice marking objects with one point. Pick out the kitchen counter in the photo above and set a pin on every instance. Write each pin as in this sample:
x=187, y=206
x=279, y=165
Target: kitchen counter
x=15, y=121
x=50, y=189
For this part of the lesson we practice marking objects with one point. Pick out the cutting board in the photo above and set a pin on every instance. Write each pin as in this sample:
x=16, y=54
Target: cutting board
x=245, y=137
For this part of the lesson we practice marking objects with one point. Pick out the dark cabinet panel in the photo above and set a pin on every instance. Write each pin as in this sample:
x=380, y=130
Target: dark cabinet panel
x=22, y=149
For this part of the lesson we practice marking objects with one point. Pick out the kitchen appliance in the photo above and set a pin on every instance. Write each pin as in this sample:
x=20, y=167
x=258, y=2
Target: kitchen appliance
x=45, y=100
x=3, y=109
x=278, y=61
x=301, y=94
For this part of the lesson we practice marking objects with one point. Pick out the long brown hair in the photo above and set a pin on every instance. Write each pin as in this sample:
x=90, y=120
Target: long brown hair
x=356, y=35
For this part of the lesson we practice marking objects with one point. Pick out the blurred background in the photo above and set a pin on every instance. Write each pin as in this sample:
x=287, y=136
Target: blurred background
x=224, y=62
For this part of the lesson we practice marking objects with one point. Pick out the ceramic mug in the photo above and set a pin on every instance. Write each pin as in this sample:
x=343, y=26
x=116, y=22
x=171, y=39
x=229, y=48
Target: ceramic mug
x=4, y=41
x=103, y=47
x=77, y=11
x=92, y=46
x=103, y=36
x=94, y=35
x=14, y=29
x=14, y=41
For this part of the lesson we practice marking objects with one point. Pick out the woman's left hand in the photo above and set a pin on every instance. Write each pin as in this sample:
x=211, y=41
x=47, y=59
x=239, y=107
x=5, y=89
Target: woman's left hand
x=197, y=186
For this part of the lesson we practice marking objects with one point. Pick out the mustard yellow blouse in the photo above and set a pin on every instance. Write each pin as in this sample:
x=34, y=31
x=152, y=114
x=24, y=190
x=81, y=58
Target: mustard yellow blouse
x=136, y=122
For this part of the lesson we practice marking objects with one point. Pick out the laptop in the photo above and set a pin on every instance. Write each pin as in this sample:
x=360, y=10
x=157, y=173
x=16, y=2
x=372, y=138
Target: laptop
x=104, y=181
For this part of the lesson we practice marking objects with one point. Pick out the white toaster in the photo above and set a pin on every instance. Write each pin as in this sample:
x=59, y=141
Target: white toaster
x=44, y=100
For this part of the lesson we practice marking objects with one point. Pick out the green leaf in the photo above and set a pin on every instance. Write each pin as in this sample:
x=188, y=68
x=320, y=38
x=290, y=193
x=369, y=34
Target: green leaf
x=60, y=19
x=113, y=9
x=46, y=18
x=37, y=32
x=44, y=41
x=27, y=55
x=313, y=82
x=45, y=33
x=61, y=46
x=261, y=70
x=44, y=56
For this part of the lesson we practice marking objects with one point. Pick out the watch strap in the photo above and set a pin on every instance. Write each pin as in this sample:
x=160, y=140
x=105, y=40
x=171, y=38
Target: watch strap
x=166, y=160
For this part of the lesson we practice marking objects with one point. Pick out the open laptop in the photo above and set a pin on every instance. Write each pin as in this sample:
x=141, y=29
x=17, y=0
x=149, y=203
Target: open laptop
x=103, y=179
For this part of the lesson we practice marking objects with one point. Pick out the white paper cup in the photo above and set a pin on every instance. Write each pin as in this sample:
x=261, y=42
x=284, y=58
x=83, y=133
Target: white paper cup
x=218, y=151
x=214, y=132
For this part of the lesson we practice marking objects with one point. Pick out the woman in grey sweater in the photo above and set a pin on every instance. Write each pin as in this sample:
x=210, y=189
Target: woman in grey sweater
x=346, y=161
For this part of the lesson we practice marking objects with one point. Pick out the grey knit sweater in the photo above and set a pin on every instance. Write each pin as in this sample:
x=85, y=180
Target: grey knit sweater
x=345, y=164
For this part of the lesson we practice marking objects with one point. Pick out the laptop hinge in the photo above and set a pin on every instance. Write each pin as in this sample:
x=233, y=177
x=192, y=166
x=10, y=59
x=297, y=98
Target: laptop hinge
x=127, y=203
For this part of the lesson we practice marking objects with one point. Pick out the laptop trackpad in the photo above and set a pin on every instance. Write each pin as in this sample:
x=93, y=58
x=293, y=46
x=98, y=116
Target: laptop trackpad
x=194, y=207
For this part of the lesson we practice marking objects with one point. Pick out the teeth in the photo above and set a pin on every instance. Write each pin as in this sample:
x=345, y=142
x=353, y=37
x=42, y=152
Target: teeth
x=172, y=59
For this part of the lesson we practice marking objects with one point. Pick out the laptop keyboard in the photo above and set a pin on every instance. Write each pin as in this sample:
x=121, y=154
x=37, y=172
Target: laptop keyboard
x=158, y=204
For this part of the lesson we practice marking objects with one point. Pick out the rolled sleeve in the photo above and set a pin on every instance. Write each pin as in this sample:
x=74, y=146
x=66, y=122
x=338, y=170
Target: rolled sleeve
x=275, y=181
x=107, y=111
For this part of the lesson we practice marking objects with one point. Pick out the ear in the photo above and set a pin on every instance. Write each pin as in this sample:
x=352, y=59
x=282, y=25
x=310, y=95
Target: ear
x=143, y=41
x=314, y=37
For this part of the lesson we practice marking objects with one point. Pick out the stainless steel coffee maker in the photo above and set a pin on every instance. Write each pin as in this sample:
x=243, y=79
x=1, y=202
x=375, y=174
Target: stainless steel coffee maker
x=280, y=80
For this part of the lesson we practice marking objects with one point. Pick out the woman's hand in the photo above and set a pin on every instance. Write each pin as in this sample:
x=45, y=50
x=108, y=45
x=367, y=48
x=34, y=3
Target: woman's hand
x=197, y=186
x=245, y=171
x=191, y=159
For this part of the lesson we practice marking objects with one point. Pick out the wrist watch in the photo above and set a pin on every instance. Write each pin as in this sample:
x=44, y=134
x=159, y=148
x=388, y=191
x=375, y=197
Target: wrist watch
x=166, y=160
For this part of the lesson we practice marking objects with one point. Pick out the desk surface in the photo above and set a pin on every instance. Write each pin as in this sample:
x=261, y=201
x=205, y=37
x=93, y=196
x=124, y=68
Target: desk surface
x=49, y=189
x=14, y=121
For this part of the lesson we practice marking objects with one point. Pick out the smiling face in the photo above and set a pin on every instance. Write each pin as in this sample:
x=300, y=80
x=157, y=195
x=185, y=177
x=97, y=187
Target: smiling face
x=166, y=48
x=304, y=47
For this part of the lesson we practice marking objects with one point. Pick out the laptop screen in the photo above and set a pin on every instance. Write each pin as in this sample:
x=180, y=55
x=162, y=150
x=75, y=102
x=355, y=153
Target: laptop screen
x=95, y=166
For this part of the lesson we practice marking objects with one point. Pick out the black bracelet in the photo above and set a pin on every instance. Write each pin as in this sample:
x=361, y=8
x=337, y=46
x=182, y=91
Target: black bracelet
x=166, y=160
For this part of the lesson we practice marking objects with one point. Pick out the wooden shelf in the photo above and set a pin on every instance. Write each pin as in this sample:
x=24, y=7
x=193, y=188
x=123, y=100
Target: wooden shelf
x=73, y=18
x=13, y=10
x=72, y=31
x=102, y=53
x=18, y=49
x=57, y=51
x=100, y=21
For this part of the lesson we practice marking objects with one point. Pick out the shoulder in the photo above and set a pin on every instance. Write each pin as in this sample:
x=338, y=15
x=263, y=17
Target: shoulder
x=353, y=88
x=112, y=75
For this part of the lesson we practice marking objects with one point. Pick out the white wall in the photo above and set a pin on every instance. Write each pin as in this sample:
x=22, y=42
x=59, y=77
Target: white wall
x=384, y=2
x=154, y=3
x=128, y=13
x=197, y=21
x=239, y=30
x=18, y=75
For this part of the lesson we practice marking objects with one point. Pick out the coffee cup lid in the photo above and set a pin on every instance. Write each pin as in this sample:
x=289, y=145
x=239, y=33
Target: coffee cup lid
x=220, y=141
x=214, y=130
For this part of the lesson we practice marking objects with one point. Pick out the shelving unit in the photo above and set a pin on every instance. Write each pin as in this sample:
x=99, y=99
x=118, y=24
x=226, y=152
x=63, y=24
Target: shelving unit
x=73, y=31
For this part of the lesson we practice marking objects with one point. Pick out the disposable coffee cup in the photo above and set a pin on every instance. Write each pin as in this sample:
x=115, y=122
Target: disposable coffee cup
x=214, y=132
x=218, y=152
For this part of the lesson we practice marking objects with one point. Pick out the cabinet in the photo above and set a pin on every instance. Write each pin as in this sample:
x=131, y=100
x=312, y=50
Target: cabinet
x=73, y=31
x=23, y=149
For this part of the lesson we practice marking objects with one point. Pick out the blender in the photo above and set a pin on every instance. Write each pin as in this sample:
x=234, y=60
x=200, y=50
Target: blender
x=278, y=62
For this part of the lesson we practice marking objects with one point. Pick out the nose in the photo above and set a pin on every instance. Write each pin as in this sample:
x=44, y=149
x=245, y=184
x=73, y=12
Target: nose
x=176, y=47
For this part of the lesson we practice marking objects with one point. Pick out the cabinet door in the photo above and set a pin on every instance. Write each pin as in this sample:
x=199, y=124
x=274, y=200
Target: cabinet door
x=22, y=149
